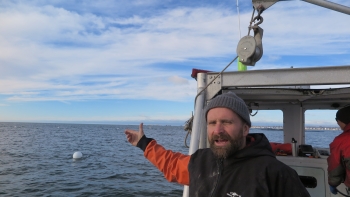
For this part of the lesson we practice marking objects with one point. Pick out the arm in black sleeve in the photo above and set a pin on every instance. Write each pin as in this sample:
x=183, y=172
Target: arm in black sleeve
x=143, y=142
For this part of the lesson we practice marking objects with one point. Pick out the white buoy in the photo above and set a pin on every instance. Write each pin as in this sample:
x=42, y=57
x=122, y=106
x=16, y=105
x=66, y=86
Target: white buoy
x=77, y=155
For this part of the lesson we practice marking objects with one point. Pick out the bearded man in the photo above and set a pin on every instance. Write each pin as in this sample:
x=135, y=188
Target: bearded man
x=236, y=164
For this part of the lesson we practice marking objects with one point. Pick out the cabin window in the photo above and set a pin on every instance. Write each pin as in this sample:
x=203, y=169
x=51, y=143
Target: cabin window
x=269, y=122
x=308, y=181
x=320, y=127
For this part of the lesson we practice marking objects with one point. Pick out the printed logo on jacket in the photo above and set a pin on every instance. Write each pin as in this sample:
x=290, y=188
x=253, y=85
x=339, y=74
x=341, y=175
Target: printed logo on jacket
x=233, y=194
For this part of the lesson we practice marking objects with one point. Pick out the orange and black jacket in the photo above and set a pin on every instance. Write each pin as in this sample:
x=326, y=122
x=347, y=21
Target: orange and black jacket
x=252, y=171
x=173, y=165
x=339, y=159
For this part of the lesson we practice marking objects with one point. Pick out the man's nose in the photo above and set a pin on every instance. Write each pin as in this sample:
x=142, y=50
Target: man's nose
x=218, y=128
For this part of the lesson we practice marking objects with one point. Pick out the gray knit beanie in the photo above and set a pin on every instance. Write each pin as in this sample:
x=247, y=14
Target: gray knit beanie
x=231, y=101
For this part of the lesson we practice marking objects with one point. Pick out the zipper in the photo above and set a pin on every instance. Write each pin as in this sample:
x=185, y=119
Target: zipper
x=220, y=168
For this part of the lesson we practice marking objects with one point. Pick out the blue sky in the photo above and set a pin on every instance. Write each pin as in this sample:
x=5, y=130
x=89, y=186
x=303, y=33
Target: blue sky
x=130, y=61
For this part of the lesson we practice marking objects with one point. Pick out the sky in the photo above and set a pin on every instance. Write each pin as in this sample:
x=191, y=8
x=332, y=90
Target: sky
x=130, y=61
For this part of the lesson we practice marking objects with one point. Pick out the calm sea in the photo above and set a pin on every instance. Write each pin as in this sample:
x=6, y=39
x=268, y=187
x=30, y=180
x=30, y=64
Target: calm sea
x=36, y=159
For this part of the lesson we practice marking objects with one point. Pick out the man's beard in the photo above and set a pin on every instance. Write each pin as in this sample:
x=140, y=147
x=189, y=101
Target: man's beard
x=232, y=147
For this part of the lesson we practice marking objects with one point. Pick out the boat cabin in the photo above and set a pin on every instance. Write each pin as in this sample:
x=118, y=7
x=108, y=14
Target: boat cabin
x=293, y=91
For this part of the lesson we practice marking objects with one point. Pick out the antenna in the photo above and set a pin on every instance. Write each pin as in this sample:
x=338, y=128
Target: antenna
x=239, y=21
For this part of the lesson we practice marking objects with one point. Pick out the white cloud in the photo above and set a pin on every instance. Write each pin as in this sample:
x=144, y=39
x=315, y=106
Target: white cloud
x=50, y=53
x=178, y=80
x=304, y=29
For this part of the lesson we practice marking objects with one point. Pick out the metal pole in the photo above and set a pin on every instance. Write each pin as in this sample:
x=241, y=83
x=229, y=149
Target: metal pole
x=203, y=141
x=197, y=120
x=330, y=5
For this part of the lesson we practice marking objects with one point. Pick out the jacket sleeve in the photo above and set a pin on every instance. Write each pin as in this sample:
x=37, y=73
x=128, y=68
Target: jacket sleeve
x=336, y=171
x=173, y=165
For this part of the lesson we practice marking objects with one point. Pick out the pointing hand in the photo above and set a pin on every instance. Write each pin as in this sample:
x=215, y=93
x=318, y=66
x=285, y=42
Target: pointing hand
x=133, y=136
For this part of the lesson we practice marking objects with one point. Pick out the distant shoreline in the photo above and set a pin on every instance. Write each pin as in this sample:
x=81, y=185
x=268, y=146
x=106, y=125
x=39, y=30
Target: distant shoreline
x=280, y=128
x=277, y=128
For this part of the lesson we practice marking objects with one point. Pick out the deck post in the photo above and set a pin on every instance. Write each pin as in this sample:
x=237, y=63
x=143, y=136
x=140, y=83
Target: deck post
x=197, y=120
x=293, y=124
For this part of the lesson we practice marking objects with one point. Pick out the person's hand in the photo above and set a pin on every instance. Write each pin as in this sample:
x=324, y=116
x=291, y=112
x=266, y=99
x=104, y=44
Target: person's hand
x=133, y=136
x=333, y=189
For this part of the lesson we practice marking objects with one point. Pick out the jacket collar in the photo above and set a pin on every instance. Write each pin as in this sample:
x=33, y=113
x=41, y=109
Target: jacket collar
x=347, y=128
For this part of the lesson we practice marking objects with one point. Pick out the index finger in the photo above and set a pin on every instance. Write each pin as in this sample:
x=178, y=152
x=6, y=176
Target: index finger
x=141, y=127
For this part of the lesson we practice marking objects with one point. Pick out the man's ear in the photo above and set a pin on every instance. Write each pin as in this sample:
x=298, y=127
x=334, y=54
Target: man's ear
x=245, y=129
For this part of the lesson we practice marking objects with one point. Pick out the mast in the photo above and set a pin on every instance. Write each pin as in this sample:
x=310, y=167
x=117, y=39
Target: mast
x=258, y=4
x=330, y=5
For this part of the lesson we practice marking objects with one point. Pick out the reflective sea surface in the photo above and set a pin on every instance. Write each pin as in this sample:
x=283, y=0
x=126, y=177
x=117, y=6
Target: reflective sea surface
x=36, y=159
